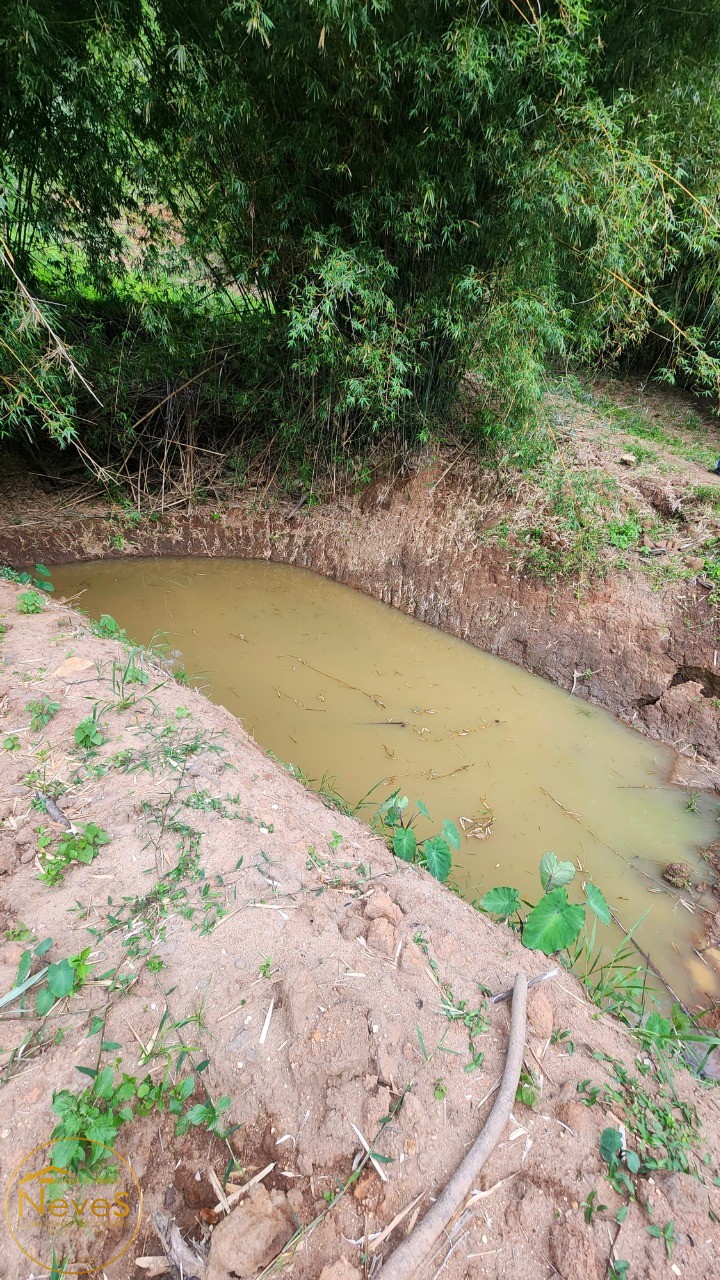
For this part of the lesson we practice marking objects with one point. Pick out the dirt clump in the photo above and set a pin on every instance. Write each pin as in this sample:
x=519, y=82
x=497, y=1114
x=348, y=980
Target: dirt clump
x=293, y=1011
x=251, y=1236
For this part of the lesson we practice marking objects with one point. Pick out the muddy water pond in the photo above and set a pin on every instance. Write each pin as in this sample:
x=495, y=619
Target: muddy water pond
x=352, y=690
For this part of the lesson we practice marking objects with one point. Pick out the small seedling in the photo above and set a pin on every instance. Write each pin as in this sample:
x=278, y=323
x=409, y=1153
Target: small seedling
x=88, y=734
x=41, y=713
x=265, y=969
x=590, y=1206
x=563, y=1037
x=19, y=933
x=440, y=1089
x=155, y=964
x=619, y=1269
x=107, y=626
x=205, y=1113
x=528, y=1090
x=11, y=742
x=666, y=1233
x=30, y=602
x=82, y=845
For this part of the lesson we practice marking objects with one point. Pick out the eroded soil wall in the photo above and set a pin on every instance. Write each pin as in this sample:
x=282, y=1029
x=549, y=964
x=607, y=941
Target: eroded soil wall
x=648, y=656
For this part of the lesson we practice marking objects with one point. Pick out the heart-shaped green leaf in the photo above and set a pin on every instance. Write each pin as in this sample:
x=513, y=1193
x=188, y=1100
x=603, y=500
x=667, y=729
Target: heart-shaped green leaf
x=610, y=1144
x=554, y=923
x=404, y=844
x=502, y=901
x=60, y=979
x=438, y=858
x=596, y=902
x=450, y=833
x=554, y=873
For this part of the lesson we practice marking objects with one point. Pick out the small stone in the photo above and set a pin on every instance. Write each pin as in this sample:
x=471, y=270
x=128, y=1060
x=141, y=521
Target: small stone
x=627, y=459
x=251, y=1236
x=72, y=665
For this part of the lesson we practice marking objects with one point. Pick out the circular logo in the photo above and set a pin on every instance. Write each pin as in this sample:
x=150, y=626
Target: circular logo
x=77, y=1221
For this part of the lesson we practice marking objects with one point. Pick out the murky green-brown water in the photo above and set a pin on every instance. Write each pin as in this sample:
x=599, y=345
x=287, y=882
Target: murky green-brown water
x=317, y=671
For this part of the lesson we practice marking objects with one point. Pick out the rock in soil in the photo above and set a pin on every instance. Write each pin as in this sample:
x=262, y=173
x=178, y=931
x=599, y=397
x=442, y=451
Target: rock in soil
x=251, y=1236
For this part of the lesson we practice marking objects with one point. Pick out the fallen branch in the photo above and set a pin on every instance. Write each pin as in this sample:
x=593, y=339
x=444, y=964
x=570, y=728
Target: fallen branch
x=543, y=977
x=408, y=1258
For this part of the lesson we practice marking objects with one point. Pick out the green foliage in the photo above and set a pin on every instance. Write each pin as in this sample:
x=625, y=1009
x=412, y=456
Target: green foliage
x=30, y=602
x=474, y=1020
x=107, y=626
x=40, y=580
x=528, y=1090
x=82, y=845
x=501, y=902
x=432, y=852
x=322, y=217
x=88, y=734
x=41, y=712
x=52, y=982
x=555, y=923
x=98, y=1113
x=204, y=1113
x=553, y=873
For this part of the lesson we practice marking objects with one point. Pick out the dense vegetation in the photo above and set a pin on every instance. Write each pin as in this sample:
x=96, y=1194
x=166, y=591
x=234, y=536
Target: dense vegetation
x=315, y=222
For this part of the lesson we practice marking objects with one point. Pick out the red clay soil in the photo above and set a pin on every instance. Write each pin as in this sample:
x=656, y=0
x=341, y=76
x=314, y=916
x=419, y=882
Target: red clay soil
x=372, y=971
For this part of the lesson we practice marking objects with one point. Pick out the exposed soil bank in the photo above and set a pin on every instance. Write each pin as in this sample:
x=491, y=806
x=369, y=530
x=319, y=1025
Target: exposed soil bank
x=326, y=984
x=650, y=656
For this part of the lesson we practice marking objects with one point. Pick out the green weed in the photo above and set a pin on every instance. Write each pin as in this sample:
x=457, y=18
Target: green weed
x=41, y=713
x=88, y=734
x=555, y=923
x=433, y=852
x=82, y=845
x=30, y=602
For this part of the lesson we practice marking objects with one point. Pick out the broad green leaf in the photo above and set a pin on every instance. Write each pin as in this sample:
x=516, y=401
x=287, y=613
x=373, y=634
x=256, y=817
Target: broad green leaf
x=44, y=1002
x=199, y=1114
x=656, y=1025
x=103, y=1087
x=422, y=809
x=554, y=873
x=451, y=834
x=60, y=978
x=186, y=1087
x=438, y=858
x=502, y=901
x=404, y=844
x=596, y=902
x=23, y=967
x=554, y=923
x=610, y=1144
x=66, y=1152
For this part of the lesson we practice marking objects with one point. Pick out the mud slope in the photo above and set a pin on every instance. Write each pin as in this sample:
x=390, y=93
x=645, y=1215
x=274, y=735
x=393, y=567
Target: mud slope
x=256, y=898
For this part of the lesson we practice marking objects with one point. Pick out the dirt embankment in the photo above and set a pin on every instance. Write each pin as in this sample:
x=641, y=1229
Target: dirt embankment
x=649, y=656
x=332, y=991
